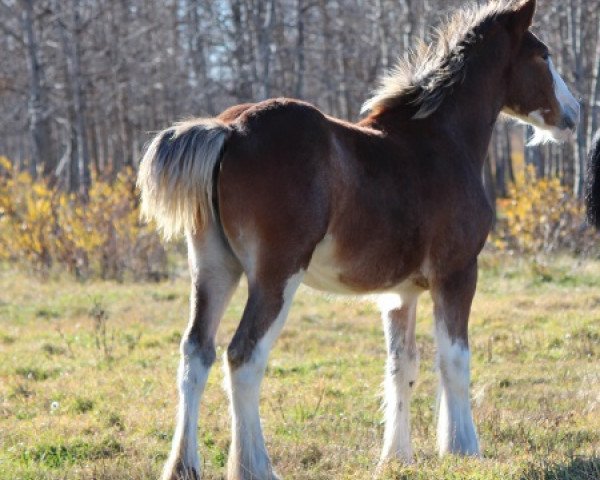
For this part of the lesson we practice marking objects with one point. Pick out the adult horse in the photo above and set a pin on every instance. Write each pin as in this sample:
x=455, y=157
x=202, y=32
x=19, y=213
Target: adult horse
x=285, y=194
x=592, y=192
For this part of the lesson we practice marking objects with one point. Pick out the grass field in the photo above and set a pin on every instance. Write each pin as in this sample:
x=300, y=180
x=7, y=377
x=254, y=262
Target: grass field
x=87, y=380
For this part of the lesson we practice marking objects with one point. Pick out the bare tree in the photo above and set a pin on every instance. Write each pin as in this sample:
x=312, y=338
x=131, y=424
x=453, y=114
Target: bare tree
x=101, y=74
x=38, y=109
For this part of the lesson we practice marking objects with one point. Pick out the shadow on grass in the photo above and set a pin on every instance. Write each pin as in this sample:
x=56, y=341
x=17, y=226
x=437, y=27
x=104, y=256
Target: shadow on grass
x=578, y=468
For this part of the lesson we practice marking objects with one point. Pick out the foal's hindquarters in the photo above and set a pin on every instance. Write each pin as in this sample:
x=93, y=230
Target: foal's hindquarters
x=215, y=274
x=267, y=229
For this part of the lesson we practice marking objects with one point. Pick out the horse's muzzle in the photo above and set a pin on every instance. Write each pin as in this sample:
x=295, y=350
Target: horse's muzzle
x=570, y=117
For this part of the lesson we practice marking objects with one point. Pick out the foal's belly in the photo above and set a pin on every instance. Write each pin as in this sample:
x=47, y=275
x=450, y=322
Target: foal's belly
x=325, y=272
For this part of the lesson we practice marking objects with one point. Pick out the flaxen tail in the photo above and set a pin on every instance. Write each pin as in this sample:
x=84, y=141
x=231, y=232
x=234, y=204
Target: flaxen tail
x=176, y=175
x=592, y=191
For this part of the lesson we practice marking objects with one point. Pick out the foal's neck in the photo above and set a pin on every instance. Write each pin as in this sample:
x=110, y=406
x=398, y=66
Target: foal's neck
x=467, y=115
x=470, y=113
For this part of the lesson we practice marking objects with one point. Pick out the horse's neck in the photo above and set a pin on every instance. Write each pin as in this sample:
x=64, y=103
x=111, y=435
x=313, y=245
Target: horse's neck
x=465, y=118
x=472, y=109
x=465, y=121
x=470, y=114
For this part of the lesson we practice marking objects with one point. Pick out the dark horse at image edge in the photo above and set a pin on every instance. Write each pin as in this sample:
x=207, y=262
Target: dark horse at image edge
x=284, y=194
x=592, y=191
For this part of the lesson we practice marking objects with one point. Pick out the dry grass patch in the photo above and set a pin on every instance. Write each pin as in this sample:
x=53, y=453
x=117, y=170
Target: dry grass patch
x=87, y=380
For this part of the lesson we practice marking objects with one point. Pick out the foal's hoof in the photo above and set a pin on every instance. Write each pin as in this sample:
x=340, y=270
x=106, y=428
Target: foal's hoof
x=246, y=475
x=180, y=472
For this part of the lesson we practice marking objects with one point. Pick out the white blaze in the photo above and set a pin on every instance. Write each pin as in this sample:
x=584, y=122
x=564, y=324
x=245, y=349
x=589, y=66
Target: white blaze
x=568, y=103
x=569, y=109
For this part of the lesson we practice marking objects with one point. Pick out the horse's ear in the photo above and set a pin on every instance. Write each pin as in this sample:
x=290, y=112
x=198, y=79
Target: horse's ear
x=521, y=17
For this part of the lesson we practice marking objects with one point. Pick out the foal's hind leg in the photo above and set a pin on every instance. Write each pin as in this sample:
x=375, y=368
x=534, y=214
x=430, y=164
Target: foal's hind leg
x=452, y=299
x=215, y=274
x=399, y=318
x=269, y=300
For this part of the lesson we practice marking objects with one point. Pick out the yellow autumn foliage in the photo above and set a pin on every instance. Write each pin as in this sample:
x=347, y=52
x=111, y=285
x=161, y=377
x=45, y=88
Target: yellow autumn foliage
x=542, y=215
x=43, y=228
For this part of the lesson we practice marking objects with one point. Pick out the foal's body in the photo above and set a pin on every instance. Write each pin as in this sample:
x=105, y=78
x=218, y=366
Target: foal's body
x=369, y=193
x=284, y=194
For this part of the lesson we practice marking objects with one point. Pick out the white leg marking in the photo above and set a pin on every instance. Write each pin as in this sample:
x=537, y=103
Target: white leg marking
x=207, y=265
x=191, y=379
x=455, y=429
x=248, y=457
x=401, y=370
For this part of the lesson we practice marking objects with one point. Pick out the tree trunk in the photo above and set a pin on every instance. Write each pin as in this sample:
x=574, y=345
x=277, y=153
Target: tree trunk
x=79, y=103
x=300, y=64
x=42, y=151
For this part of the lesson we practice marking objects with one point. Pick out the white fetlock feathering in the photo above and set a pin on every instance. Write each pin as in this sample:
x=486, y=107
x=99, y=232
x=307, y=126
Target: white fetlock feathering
x=455, y=428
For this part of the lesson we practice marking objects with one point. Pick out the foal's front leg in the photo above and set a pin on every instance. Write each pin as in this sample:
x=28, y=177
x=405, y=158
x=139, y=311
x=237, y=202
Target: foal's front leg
x=399, y=317
x=215, y=274
x=452, y=299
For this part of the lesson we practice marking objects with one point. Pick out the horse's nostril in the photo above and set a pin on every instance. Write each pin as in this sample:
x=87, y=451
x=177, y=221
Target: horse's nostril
x=569, y=122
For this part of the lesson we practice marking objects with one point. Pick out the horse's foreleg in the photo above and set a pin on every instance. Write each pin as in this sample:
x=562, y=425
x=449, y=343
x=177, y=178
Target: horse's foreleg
x=215, y=274
x=452, y=304
x=245, y=363
x=399, y=317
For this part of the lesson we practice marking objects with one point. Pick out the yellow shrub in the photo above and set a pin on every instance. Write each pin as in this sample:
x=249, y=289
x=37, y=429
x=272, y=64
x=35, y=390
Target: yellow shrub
x=541, y=215
x=44, y=227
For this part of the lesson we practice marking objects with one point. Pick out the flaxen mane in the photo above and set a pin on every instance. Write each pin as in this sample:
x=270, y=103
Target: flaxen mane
x=424, y=77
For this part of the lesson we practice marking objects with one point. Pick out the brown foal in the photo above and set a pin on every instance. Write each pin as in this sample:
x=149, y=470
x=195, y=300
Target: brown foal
x=394, y=204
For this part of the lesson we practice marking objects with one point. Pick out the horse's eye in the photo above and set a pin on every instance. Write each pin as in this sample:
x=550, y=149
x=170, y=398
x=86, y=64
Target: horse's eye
x=546, y=56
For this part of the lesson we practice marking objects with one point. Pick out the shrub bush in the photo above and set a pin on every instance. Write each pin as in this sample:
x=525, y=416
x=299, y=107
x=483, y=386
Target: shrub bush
x=542, y=216
x=43, y=228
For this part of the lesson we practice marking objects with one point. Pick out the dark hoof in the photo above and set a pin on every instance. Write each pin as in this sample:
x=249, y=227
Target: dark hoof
x=180, y=472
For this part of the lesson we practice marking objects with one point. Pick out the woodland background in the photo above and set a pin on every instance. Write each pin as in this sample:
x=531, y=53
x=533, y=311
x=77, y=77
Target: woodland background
x=84, y=83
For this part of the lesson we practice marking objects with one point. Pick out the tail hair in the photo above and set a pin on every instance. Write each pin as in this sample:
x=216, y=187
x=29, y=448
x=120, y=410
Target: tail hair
x=592, y=189
x=176, y=175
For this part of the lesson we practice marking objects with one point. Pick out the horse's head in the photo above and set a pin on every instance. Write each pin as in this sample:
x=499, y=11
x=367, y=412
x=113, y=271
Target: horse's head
x=536, y=93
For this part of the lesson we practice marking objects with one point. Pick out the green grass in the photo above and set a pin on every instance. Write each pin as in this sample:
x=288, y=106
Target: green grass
x=87, y=380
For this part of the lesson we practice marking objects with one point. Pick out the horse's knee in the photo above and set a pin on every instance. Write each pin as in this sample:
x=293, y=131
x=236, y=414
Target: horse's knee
x=239, y=352
x=195, y=364
x=403, y=354
x=192, y=349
